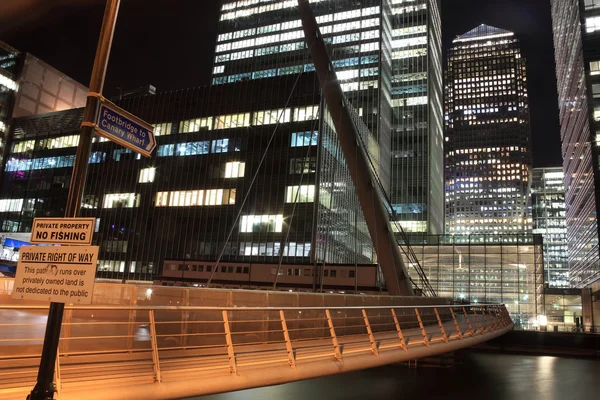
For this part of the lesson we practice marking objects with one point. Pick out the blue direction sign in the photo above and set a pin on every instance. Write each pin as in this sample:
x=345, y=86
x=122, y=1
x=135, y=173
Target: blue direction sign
x=126, y=129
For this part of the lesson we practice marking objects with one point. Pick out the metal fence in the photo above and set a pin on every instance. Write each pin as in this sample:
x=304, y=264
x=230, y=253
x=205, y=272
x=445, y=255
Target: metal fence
x=131, y=349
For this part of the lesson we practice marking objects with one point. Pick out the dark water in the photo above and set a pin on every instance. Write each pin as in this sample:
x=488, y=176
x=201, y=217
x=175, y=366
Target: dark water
x=480, y=376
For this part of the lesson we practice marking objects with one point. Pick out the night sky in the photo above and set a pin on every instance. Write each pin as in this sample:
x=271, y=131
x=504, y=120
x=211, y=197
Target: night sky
x=170, y=45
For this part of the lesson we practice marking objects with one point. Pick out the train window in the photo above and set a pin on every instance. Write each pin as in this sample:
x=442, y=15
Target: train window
x=208, y=268
x=193, y=268
x=238, y=270
x=245, y=270
x=180, y=268
x=230, y=270
x=223, y=269
x=326, y=272
x=289, y=271
x=173, y=267
x=200, y=268
x=351, y=273
x=307, y=272
x=297, y=272
x=333, y=273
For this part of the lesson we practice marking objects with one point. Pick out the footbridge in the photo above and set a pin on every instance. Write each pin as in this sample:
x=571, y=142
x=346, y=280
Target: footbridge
x=168, y=352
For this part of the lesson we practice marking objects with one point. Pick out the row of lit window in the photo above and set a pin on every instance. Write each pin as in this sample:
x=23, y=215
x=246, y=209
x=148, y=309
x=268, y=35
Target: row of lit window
x=230, y=121
x=196, y=148
x=297, y=34
x=233, y=169
x=352, y=37
x=47, y=144
x=488, y=150
x=15, y=164
x=191, y=198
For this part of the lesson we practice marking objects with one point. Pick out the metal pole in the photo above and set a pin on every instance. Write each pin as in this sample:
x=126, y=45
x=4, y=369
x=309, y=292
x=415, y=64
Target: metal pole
x=44, y=387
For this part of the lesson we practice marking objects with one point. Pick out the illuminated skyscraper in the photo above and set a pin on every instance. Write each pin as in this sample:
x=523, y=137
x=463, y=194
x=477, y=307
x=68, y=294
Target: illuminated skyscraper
x=387, y=55
x=488, y=150
x=576, y=26
x=548, y=212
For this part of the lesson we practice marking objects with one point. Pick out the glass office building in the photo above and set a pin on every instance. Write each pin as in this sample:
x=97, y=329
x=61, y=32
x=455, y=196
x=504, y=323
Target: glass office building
x=29, y=86
x=387, y=56
x=193, y=200
x=485, y=268
x=549, y=220
x=488, y=144
x=576, y=26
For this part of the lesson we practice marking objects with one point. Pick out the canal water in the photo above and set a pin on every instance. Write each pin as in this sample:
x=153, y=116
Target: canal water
x=478, y=376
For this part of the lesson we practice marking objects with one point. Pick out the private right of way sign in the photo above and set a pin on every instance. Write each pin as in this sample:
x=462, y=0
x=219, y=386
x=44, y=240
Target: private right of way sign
x=62, y=274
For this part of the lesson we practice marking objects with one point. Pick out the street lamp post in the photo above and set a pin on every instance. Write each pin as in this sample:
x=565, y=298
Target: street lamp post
x=44, y=388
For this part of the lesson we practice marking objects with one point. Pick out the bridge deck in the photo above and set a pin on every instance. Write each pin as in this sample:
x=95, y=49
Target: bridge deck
x=191, y=352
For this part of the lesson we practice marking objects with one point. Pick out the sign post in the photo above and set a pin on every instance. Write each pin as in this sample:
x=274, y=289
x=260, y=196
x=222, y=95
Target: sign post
x=62, y=274
x=44, y=388
x=70, y=231
x=124, y=128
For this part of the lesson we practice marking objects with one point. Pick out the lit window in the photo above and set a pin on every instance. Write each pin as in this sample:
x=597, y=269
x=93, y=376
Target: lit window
x=195, y=125
x=300, y=139
x=219, y=69
x=121, y=200
x=232, y=121
x=307, y=113
x=187, y=198
x=235, y=169
x=300, y=194
x=592, y=24
x=147, y=175
x=11, y=205
x=163, y=129
x=261, y=223
x=271, y=117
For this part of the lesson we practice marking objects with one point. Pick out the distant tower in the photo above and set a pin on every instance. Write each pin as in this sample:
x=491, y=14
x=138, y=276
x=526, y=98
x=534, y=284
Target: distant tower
x=488, y=139
x=548, y=206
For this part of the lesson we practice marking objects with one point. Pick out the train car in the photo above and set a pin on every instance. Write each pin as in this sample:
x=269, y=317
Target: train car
x=260, y=276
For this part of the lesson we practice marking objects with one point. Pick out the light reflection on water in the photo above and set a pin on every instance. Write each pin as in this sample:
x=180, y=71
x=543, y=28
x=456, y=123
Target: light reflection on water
x=480, y=376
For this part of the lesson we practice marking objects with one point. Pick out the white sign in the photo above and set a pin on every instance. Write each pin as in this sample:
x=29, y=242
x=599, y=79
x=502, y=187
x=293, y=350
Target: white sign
x=63, y=231
x=62, y=274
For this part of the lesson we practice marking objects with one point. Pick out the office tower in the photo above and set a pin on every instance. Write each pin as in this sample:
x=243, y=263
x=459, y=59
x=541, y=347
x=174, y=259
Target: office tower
x=387, y=55
x=182, y=204
x=549, y=220
x=488, y=146
x=576, y=26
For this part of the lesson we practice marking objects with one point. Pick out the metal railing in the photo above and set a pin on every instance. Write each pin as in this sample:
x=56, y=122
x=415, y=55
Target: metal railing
x=104, y=349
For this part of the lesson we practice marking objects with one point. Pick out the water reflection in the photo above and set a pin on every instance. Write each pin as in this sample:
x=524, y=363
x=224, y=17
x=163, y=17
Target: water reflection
x=480, y=376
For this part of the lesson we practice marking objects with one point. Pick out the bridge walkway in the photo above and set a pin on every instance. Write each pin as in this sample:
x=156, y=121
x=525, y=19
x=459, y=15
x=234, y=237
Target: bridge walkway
x=176, y=352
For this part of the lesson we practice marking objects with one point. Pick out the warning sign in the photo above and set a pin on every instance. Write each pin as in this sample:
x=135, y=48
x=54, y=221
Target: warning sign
x=59, y=274
x=62, y=231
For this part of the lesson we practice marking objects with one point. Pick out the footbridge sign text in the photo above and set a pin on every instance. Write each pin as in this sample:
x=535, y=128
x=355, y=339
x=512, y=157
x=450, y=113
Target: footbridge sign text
x=126, y=129
x=60, y=274
x=70, y=231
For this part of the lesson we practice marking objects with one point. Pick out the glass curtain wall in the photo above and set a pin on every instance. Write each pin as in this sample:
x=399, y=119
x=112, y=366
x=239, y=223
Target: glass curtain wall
x=485, y=268
x=576, y=40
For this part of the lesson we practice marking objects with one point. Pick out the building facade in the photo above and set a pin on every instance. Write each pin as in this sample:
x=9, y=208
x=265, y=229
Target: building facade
x=549, y=221
x=488, y=139
x=243, y=170
x=29, y=86
x=486, y=269
x=387, y=56
x=576, y=26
